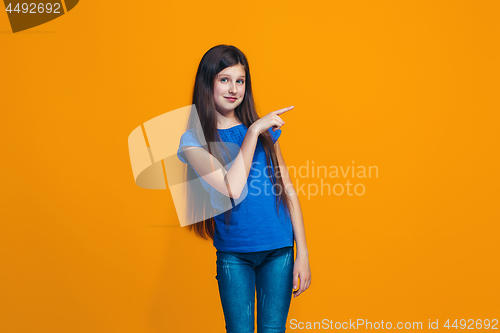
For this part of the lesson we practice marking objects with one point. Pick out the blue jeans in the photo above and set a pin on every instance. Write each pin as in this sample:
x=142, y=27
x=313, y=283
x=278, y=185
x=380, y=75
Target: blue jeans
x=240, y=275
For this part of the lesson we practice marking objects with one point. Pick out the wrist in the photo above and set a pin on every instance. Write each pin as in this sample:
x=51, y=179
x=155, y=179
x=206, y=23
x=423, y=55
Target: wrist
x=253, y=131
x=302, y=254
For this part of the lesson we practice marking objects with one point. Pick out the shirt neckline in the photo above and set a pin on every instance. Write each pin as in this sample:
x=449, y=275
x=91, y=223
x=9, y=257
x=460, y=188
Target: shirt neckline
x=224, y=129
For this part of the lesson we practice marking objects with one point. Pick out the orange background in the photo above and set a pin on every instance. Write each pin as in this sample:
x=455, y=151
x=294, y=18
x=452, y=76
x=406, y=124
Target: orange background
x=411, y=87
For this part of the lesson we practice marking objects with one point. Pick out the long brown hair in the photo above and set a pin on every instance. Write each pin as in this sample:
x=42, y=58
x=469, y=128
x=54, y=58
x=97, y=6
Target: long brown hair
x=213, y=62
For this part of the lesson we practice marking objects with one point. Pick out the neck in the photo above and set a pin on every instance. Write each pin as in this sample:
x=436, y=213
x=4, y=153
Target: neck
x=226, y=119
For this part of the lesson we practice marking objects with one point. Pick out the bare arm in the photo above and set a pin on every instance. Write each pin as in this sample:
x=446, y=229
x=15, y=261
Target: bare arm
x=230, y=183
x=242, y=164
x=295, y=211
x=301, y=266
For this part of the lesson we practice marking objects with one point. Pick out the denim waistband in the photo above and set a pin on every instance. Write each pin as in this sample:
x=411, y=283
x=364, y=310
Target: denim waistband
x=256, y=258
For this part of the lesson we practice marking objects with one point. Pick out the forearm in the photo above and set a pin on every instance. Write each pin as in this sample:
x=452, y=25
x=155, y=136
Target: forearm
x=297, y=222
x=237, y=175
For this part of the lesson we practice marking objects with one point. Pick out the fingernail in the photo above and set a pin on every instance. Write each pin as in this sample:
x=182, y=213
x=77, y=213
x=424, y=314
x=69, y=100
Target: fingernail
x=294, y=287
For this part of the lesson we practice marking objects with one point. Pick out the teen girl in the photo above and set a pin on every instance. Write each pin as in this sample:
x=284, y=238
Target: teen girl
x=255, y=238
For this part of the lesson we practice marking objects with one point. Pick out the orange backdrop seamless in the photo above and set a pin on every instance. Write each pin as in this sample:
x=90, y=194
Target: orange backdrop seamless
x=410, y=87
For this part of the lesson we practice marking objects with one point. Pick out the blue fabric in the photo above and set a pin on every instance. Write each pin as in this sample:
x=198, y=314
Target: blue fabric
x=255, y=224
x=239, y=275
x=218, y=200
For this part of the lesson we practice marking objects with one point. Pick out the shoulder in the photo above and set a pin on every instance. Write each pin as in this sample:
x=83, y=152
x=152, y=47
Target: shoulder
x=189, y=138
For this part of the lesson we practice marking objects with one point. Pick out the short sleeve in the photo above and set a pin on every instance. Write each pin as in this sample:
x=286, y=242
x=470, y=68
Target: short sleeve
x=187, y=139
x=275, y=134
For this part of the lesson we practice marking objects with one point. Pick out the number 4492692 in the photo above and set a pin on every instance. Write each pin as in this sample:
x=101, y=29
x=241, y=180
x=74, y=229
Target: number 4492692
x=473, y=324
x=33, y=8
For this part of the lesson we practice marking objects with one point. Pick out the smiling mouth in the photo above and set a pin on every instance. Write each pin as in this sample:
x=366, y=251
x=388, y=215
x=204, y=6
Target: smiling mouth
x=231, y=98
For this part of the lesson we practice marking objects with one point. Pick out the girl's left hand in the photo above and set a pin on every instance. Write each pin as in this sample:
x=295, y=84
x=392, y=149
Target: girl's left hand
x=301, y=270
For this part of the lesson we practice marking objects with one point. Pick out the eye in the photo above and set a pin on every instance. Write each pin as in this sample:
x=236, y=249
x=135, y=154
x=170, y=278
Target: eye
x=222, y=80
x=241, y=81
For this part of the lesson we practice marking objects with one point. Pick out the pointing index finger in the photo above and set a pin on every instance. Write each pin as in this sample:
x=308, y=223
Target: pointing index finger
x=284, y=110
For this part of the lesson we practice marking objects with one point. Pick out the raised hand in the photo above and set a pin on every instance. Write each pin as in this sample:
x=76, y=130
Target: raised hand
x=272, y=119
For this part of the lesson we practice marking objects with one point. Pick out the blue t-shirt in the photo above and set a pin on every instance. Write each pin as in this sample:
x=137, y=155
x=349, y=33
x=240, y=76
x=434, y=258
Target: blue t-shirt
x=254, y=224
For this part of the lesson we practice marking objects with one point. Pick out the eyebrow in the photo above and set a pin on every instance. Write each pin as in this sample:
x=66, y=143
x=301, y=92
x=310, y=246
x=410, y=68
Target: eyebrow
x=229, y=75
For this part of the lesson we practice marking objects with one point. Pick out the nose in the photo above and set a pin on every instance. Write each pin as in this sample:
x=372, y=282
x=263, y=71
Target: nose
x=233, y=89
